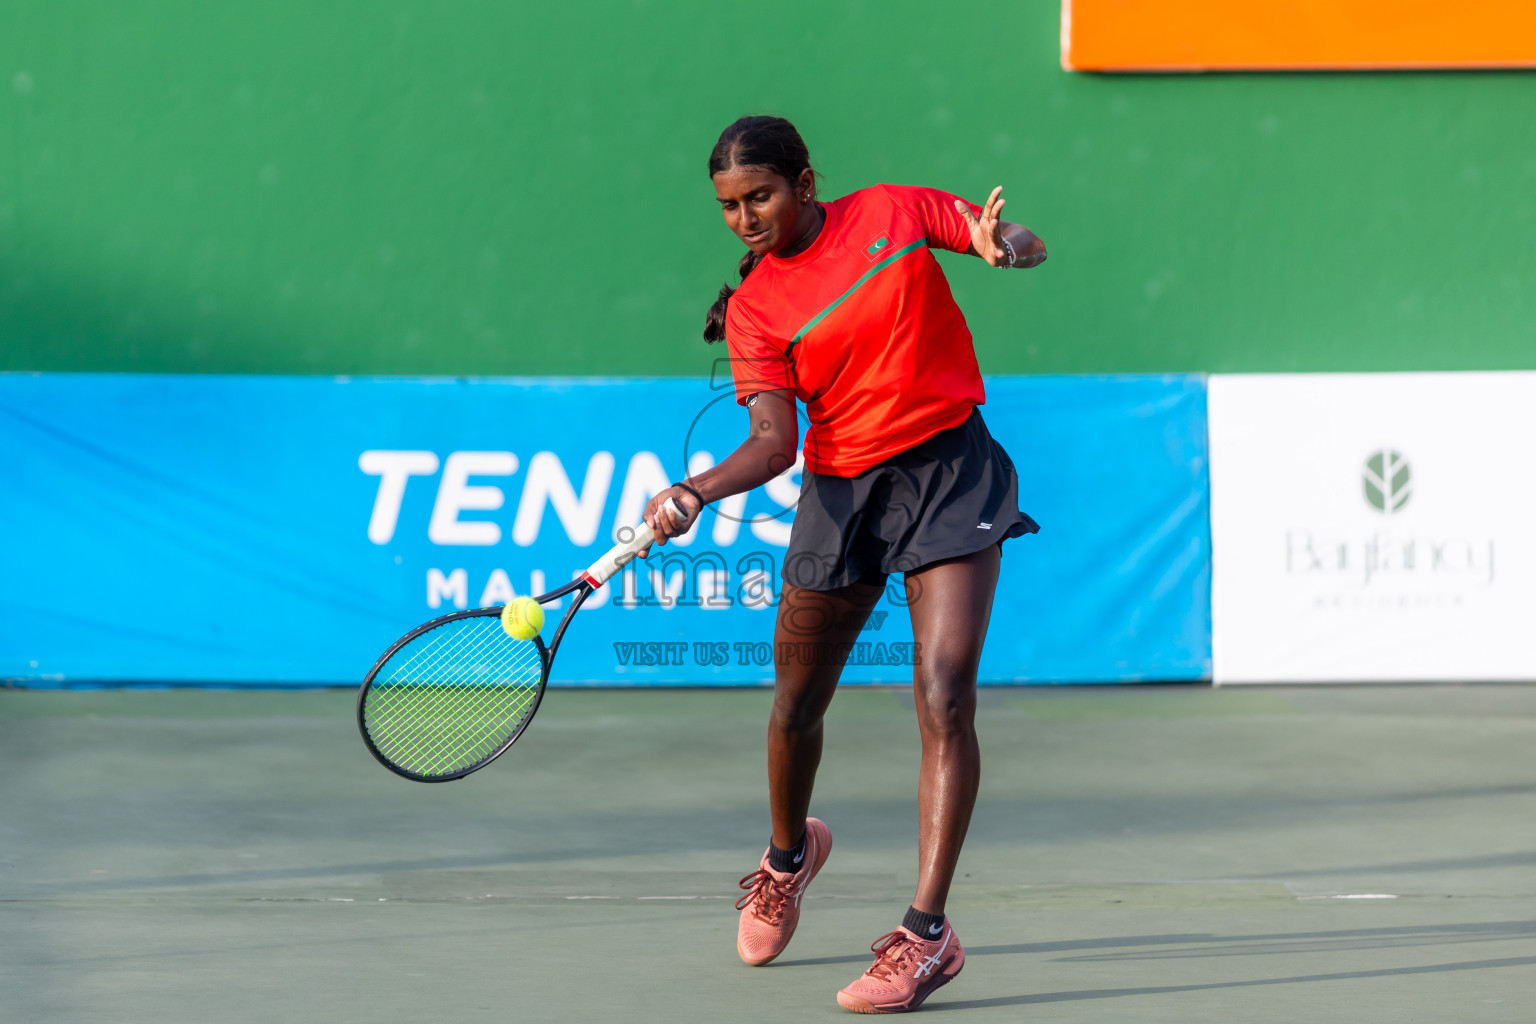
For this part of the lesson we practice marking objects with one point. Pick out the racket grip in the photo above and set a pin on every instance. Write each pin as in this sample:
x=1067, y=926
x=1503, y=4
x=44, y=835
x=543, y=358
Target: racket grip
x=621, y=554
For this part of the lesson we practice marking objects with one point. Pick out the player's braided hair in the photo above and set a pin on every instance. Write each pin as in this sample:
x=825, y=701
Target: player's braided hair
x=756, y=141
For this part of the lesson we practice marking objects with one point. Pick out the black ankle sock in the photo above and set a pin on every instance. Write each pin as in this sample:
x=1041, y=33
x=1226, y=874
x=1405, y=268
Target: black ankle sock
x=929, y=926
x=788, y=861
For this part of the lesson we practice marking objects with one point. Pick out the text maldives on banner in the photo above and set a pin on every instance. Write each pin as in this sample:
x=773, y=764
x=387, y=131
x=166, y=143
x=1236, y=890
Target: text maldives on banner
x=1373, y=527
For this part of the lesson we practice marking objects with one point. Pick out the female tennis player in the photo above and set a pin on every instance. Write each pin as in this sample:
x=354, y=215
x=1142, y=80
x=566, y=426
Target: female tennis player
x=843, y=307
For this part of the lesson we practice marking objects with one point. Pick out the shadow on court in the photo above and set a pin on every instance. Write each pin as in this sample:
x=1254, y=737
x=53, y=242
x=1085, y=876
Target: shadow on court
x=1115, y=993
x=1185, y=946
x=1138, y=854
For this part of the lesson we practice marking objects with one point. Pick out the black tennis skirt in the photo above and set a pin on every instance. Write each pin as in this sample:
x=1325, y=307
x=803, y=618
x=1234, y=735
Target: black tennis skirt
x=952, y=495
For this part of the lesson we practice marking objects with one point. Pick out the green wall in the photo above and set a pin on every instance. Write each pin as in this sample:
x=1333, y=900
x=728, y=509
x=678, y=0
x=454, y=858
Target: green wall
x=505, y=188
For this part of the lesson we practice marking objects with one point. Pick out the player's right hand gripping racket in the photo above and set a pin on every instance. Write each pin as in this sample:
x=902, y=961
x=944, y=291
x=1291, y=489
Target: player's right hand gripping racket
x=453, y=694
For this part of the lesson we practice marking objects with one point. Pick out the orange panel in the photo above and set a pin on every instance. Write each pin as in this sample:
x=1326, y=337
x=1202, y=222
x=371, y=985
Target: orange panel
x=1195, y=35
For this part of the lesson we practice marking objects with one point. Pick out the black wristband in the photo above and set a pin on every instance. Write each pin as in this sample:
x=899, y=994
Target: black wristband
x=693, y=492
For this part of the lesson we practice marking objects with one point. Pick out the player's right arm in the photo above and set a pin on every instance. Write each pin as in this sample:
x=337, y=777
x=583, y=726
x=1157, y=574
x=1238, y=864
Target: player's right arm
x=773, y=438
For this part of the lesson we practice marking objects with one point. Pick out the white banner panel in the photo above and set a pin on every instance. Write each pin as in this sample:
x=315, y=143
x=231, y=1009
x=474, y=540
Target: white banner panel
x=1373, y=527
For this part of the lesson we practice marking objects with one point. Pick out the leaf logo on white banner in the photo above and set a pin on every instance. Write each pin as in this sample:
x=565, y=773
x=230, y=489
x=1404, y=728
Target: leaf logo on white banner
x=1388, y=481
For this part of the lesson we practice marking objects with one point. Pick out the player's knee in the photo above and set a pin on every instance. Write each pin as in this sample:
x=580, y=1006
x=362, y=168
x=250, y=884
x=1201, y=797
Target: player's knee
x=946, y=706
x=948, y=721
x=795, y=712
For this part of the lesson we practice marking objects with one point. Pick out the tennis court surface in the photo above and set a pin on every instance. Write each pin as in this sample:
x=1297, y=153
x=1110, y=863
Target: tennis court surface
x=1138, y=854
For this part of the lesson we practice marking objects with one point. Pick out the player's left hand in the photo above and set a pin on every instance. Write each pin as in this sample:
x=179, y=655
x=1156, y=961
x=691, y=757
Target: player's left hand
x=987, y=230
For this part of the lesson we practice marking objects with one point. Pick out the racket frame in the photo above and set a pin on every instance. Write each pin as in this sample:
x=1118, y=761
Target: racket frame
x=582, y=590
x=598, y=573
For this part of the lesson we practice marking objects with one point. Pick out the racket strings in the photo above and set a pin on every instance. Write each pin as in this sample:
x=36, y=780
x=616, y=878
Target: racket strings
x=405, y=712
x=458, y=718
x=479, y=718
x=452, y=697
x=462, y=706
x=454, y=647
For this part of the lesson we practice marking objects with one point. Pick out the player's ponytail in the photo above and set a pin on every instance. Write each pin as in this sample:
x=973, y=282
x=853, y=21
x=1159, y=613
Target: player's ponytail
x=757, y=141
x=714, y=320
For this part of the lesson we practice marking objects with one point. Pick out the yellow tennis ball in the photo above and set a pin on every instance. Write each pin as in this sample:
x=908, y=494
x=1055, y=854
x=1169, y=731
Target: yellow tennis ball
x=522, y=618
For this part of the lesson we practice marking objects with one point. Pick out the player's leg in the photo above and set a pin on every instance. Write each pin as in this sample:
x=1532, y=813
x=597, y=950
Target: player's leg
x=811, y=627
x=811, y=624
x=951, y=603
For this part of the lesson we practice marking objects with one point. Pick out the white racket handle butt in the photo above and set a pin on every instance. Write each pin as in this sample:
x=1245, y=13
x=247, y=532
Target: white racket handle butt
x=621, y=554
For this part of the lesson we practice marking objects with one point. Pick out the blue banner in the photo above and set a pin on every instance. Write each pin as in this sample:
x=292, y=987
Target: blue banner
x=284, y=530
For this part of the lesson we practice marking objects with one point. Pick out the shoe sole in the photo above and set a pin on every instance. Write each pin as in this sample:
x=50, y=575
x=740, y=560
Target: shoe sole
x=758, y=963
x=859, y=1005
x=815, y=870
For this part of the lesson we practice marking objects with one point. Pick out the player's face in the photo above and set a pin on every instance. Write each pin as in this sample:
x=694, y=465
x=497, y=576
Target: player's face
x=761, y=206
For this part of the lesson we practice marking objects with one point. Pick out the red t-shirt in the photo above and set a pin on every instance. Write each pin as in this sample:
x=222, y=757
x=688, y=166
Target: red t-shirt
x=863, y=328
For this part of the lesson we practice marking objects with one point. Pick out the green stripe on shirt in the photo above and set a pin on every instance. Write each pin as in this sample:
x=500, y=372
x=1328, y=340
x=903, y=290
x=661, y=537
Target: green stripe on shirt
x=892, y=258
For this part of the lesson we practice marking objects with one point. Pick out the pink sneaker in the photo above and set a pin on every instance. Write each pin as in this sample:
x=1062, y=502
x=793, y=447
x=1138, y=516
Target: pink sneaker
x=906, y=970
x=771, y=908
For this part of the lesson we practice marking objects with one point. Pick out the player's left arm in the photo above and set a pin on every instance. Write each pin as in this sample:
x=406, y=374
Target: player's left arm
x=989, y=232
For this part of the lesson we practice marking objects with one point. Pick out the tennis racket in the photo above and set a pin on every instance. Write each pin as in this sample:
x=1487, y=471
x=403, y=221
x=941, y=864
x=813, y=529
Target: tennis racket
x=453, y=694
